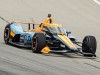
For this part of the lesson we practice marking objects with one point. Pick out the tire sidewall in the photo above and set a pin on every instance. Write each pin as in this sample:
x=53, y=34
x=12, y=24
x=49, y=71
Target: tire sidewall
x=41, y=42
x=89, y=44
x=6, y=35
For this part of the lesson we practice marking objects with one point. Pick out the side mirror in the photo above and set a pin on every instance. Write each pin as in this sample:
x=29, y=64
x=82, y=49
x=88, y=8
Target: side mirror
x=68, y=33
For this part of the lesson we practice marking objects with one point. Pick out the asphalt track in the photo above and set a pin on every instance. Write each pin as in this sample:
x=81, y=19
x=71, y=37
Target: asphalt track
x=82, y=17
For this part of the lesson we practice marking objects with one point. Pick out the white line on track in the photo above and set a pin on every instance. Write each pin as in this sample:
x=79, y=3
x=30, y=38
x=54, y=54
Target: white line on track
x=98, y=2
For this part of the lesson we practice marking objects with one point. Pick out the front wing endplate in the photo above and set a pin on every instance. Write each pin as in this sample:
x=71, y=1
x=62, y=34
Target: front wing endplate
x=45, y=50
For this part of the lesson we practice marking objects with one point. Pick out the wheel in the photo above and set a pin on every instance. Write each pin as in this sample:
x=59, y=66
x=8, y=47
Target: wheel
x=89, y=45
x=6, y=35
x=38, y=42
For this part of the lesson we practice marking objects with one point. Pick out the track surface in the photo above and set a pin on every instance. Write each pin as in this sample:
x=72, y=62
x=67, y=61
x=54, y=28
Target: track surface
x=82, y=17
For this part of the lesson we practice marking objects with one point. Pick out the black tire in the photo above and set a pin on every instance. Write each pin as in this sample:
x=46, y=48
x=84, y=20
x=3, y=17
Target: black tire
x=6, y=35
x=89, y=45
x=38, y=42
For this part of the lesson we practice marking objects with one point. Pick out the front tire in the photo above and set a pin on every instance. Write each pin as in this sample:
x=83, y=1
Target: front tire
x=89, y=45
x=38, y=42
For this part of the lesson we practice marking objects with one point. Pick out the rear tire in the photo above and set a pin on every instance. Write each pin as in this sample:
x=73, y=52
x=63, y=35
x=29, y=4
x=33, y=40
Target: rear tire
x=6, y=35
x=38, y=42
x=89, y=45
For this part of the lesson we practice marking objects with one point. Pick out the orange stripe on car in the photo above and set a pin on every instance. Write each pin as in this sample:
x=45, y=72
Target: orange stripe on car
x=12, y=34
x=67, y=41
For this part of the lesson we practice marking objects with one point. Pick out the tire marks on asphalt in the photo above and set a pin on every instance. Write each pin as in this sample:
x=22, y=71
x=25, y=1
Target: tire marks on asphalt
x=92, y=65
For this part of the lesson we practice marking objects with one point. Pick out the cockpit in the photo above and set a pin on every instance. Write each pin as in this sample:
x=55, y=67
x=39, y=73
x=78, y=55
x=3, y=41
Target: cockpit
x=54, y=29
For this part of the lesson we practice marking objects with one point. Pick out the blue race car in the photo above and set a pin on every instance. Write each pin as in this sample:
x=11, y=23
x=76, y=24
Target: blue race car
x=48, y=37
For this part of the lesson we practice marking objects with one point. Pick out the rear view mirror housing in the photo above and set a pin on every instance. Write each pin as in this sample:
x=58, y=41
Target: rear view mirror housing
x=68, y=32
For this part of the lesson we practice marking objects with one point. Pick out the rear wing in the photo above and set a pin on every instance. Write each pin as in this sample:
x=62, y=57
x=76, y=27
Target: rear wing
x=47, y=21
x=29, y=24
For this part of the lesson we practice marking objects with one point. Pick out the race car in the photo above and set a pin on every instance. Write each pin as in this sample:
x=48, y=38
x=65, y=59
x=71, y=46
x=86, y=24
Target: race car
x=48, y=37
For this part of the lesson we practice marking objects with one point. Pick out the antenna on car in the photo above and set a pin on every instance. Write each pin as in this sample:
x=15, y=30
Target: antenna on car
x=4, y=19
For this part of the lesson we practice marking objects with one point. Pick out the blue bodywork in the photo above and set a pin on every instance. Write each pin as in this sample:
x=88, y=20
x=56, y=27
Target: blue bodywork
x=24, y=38
x=16, y=28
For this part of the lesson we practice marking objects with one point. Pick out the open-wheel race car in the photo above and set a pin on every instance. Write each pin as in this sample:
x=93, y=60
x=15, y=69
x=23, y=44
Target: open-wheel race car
x=48, y=37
